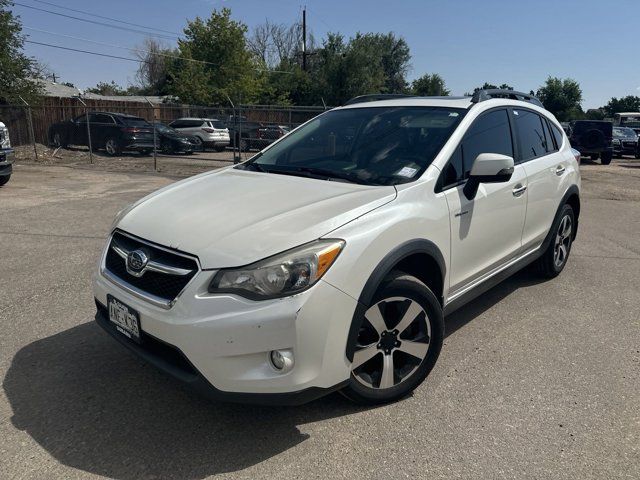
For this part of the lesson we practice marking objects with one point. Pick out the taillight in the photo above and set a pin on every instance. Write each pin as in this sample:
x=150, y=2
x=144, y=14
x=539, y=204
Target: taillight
x=131, y=130
x=576, y=155
x=208, y=130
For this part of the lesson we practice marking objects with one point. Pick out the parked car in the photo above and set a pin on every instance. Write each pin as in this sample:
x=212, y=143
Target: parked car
x=329, y=261
x=593, y=138
x=207, y=132
x=113, y=132
x=244, y=133
x=170, y=140
x=6, y=155
x=269, y=134
x=625, y=141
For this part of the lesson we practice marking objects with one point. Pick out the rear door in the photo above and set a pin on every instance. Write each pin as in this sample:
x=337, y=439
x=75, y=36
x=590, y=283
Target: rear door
x=78, y=134
x=486, y=231
x=545, y=166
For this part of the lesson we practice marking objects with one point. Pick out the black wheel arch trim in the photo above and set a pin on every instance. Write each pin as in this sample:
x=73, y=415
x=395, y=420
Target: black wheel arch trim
x=386, y=265
x=572, y=190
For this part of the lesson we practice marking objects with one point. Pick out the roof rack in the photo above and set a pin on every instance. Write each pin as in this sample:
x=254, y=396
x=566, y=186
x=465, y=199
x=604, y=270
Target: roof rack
x=375, y=97
x=482, y=95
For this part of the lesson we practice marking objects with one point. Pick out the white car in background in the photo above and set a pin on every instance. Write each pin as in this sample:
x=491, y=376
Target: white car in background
x=329, y=260
x=207, y=132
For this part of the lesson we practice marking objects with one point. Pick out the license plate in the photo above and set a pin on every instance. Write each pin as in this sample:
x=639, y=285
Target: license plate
x=125, y=318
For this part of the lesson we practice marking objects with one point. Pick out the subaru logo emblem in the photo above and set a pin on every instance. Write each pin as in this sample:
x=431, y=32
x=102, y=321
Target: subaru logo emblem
x=136, y=261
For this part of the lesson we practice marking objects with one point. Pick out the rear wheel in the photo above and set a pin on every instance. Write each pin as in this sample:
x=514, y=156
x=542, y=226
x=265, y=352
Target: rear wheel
x=605, y=158
x=4, y=179
x=112, y=146
x=398, y=343
x=554, y=259
x=57, y=141
x=244, y=145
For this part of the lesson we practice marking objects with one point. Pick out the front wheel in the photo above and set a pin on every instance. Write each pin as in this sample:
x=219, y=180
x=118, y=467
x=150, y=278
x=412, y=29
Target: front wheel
x=4, y=179
x=605, y=158
x=399, y=341
x=57, y=141
x=555, y=257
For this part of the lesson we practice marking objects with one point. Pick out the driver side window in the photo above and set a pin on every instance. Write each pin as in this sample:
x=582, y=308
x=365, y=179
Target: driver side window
x=490, y=133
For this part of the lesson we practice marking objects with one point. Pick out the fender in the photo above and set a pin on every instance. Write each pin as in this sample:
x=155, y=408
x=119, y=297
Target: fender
x=385, y=266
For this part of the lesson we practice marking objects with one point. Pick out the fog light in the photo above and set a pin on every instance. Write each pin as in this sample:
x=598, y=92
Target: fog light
x=282, y=360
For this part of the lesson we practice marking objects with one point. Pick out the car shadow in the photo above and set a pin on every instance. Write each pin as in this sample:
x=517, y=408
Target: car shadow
x=98, y=409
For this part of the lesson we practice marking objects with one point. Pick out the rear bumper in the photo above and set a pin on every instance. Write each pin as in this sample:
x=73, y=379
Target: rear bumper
x=217, y=143
x=173, y=362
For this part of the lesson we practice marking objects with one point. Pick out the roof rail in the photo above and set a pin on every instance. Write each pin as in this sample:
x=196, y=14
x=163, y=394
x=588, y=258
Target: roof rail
x=482, y=95
x=375, y=97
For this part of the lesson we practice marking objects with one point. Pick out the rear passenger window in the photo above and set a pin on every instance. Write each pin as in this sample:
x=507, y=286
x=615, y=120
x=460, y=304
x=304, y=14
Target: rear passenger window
x=490, y=133
x=557, y=134
x=530, y=134
x=548, y=137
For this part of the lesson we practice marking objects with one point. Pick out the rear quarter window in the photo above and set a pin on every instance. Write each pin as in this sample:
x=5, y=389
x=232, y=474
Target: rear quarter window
x=530, y=131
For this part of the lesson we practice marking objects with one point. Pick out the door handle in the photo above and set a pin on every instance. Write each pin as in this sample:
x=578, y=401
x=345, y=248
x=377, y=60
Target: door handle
x=560, y=170
x=519, y=190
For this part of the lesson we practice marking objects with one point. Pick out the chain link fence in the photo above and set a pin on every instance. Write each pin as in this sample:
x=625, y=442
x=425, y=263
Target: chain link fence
x=32, y=130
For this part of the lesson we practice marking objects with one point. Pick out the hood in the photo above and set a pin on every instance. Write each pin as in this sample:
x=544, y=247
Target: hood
x=232, y=217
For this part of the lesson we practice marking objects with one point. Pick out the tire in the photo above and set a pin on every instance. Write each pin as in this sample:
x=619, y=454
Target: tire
x=57, y=141
x=555, y=257
x=4, y=179
x=244, y=145
x=112, y=146
x=198, y=144
x=605, y=158
x=638, y=155
x=383, y=342
x=593, y=139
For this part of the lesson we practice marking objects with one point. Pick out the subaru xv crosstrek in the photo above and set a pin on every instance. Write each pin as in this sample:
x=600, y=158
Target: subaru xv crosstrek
x=329, y=260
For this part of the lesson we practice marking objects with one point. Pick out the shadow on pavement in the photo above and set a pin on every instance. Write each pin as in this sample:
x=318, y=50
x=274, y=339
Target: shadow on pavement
x=97, y=409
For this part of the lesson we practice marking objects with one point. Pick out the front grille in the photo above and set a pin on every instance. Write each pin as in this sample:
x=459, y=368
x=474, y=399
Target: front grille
x=629, y=144
x=159, y=284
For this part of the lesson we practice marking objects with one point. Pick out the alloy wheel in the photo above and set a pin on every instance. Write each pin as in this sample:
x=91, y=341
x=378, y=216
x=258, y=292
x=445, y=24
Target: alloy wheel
x=56, y=140
x=392, y=343
x=110, y=146
x=563, y=241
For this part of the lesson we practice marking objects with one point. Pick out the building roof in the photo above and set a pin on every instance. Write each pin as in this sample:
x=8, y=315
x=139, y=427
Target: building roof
x=52, y=89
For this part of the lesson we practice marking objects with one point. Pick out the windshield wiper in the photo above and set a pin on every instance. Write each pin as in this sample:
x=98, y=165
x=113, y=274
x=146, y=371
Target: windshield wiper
x=342, y=175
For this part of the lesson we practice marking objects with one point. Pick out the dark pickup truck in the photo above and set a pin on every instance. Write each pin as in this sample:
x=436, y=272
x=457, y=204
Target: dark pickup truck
x=592, y=138
x=113, y=132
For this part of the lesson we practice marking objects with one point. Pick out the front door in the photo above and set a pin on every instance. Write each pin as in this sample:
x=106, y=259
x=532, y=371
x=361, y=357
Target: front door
x=486, y=231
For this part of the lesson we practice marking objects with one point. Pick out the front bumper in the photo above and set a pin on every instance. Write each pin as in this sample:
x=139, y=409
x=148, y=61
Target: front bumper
x=225, y=340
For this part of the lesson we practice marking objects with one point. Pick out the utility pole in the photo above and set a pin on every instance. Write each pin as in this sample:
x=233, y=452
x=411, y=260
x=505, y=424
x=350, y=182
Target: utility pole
x=304, y=39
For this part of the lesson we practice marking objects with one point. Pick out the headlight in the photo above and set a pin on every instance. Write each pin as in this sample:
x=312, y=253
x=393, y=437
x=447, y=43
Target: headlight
x=281, y=275
x=616, y=142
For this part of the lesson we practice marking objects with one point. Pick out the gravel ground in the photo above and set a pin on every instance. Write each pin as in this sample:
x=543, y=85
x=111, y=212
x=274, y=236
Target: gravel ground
x=536, y=379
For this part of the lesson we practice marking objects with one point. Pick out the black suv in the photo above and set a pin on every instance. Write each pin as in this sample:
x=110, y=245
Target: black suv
x=625, y=141
x=114, y=132
x=592, y=138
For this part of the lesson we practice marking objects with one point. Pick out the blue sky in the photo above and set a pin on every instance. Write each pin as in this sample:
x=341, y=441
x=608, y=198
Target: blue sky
x=468, y=42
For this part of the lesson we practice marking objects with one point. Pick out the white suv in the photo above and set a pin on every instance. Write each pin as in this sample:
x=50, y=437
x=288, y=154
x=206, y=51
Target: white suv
x=206, y=132
x=329, y=260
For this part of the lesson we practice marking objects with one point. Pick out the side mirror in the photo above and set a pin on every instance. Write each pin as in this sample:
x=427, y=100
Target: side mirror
x=488, y=168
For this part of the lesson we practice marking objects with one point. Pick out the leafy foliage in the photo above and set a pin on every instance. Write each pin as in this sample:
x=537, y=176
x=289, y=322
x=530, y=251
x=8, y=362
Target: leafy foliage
x=430, y=85
x=562, y=98
x=629, y=103
x=17, y=71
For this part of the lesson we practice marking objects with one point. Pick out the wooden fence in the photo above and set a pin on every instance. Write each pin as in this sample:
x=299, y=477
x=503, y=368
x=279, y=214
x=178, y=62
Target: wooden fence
x=53, y=109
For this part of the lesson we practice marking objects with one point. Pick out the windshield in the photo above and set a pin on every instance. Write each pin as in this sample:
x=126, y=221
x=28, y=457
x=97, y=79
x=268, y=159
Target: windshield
x=623, y=132
x=162, y=128
x=369, y=145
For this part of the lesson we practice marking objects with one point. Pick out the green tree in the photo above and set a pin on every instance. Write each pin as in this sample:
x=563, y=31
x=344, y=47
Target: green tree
x=230, y=69
x=107, y=88
x=429, y=85
x=629, y=103
x=17, y=71
x=562, y=98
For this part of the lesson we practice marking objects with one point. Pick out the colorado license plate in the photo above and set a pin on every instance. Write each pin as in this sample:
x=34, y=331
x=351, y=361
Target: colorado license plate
x=125, y=318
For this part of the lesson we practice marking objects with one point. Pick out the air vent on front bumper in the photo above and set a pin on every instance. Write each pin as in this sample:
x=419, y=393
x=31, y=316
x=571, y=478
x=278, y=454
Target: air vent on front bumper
x=155, y=273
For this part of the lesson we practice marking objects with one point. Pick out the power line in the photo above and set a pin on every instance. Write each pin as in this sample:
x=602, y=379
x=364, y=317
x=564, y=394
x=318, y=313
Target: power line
x=86, y=51
x=166, y=37
x=103, y=17
x=140, y=60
